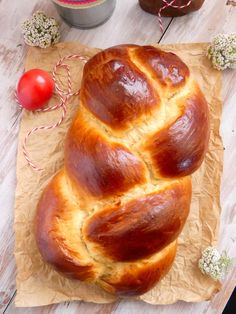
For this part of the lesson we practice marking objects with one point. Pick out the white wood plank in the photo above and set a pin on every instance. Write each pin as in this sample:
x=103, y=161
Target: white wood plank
x=122, y=27
x=201, y=29
x=123, y=307
x=217, y=17
x=12, y=54
x=128, y=24
x=214, y=17
x=7, y=178
x=211, y=22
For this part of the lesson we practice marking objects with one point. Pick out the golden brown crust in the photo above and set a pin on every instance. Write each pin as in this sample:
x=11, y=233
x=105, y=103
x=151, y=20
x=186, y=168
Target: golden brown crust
x=51, y=211
x=140, y=227
x=99, y=166
x=179, y=149
x=137, y=279
x=166, y=67
x=113, y=214
x=115, y=90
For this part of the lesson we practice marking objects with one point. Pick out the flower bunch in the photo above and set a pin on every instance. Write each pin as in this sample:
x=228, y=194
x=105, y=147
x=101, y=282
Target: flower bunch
x=222, y=51
x=40, y=30
x=213, y=263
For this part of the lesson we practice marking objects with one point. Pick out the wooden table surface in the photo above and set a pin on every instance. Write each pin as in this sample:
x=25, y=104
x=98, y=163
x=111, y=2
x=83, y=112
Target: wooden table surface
x=129, y=24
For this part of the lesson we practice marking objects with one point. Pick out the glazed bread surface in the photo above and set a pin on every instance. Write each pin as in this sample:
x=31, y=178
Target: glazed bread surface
x=113, y=213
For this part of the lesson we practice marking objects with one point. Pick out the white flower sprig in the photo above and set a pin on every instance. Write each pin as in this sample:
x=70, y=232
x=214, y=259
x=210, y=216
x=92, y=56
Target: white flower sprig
x=222, y=51
x=40, y=30
x=214, y=264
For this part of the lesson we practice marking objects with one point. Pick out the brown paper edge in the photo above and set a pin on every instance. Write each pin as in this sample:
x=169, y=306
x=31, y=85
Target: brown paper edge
x=22, y=298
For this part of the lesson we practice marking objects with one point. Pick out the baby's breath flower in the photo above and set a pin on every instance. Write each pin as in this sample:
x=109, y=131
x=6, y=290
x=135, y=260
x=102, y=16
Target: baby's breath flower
x=214, y=264
x=222, y=51
x=41, y=31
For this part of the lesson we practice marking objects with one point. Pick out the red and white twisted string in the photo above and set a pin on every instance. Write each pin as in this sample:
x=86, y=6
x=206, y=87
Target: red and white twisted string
x=172, y=5
x=64, y=96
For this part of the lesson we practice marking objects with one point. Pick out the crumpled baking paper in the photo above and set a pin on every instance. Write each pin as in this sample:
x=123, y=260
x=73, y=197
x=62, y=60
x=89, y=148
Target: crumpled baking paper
x=37, y=283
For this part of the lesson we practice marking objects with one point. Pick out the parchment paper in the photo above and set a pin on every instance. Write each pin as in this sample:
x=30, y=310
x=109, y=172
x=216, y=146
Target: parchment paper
x=37, y=283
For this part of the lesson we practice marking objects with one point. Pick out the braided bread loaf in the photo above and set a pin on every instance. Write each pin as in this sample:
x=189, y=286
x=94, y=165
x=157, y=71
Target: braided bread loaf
x=113, y=214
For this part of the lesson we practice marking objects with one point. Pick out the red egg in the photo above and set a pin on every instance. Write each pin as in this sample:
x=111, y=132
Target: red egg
x=34, y=89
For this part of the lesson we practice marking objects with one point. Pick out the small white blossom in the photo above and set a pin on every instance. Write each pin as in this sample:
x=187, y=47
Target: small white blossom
x=214, y=264
x=222, y=51
x=40, y=31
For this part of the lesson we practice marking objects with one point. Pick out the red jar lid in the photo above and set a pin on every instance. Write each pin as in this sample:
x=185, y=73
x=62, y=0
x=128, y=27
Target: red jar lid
x=78, y=3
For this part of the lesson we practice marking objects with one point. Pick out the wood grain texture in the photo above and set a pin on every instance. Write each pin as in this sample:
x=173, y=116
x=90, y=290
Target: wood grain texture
x=129, y=24
x=12, y=54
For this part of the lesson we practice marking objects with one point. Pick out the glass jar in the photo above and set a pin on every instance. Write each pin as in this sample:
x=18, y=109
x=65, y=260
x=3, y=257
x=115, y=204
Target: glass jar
x=153, y=6
x=85, y=13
